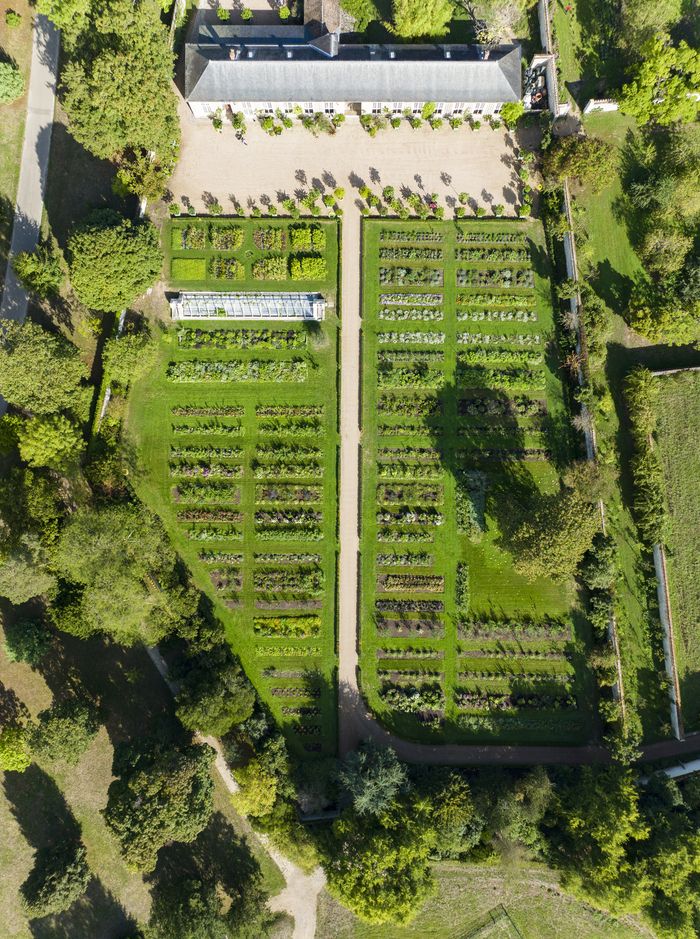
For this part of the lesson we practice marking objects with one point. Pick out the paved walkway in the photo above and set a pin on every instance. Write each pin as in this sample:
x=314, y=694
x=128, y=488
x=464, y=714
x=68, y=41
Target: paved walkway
x=35, y=160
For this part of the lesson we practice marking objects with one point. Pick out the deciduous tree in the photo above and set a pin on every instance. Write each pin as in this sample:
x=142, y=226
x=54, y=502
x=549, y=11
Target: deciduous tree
x=39, y=371
x=215, y=694
x=161, y=794
x=665, y=85
x=586, y=159
x=373, y=777
x=50, y=440
x=416, y=18
x=65, y=731
x=113, y=260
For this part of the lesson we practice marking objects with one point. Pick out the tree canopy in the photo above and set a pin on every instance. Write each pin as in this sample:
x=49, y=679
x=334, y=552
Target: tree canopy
x=113, y=260
x=59, y=877
x=65, y=731
x=584, y=158
x=40, y=270
x=52, y=441
x=11, y=82
x=215, y=694
x=117, y=86
x=665, y=83
x=161, y=794
x=416, y=18
x=127, y=356
x=122, y=562
x=373, y=776
x=39, y=371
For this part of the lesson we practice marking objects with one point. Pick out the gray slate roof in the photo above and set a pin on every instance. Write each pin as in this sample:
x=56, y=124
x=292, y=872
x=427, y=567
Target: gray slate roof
x=274, y=67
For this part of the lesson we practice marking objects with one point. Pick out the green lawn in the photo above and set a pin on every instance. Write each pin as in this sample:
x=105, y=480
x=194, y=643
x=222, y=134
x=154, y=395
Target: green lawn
x=463, y=423
x=611, y=265
x=586, y=36
x=678, y=430
x=34, y=805
x=15, y=46
x=491, y=903
x=243, y=473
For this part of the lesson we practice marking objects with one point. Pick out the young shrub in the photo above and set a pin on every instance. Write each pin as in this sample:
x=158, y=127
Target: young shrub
x=223, y=15
x=498, y=209
x=13, y=19
x=511, y=112
x=480, y=211
x=11, y=82
x=14, y=749
x=284, y=12
x=40, y=270
x=246, y=14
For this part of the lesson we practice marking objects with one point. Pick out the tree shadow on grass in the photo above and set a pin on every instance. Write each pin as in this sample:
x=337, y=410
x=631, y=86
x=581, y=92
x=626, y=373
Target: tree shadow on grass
x=97, y=915
x=40, y=808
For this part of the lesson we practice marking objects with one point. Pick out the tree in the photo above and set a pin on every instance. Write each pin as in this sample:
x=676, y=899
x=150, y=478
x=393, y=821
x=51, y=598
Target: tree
x=594, y=826
x=363, y=12
x=658, y=315
x=15, y=756
x=587, y=159
x=665, y=84
x=215, y=694
x=114, y=555
x=258, y=790
x=553, y=539
x=27, y=641
x=511, y=112
x=128, y=356
x=644, y=19
x=24, y=570
x=52, y=441
x=373, y=777
x=40, y=270
x=70, y=16
x=496, y=20
x=113, y=260
x=11, y=82
x=161, y=794
x=65, y=731
x=664, y=250
x=59, y=877
x=188, y=908
x=417, y=18
x=379, y=868
x=39, y=372
x=455, y=820
x=118, y=90
x=143, y=175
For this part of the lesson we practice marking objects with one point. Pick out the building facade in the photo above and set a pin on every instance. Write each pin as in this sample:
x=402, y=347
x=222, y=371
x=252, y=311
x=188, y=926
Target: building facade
x=260, y=70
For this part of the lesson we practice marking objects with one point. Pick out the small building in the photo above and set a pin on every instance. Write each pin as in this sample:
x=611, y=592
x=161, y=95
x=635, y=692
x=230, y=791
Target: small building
x=201, y=305
x=259, y=70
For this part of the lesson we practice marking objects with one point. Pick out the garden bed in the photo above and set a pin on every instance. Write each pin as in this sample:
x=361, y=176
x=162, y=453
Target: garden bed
x=462, y=407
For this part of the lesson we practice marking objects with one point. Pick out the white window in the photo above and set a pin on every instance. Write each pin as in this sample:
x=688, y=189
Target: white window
x=329, y=107
x=376, y=107
x=439, y=108
x=417, y=107
x=497, y=109
x=207, y=109
x=309, y=107
x=478, y=108
x=458, y=107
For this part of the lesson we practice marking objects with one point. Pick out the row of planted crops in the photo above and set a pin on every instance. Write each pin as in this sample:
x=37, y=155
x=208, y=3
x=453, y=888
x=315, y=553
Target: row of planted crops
x=460, y=401
x=251, y=463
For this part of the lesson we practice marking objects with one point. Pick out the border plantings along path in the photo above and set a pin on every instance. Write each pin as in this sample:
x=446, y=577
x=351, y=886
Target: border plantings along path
x=463, y=422
x=237, y=428
x=678, y=426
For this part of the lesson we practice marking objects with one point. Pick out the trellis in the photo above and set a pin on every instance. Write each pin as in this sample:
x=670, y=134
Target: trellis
x=248, y=306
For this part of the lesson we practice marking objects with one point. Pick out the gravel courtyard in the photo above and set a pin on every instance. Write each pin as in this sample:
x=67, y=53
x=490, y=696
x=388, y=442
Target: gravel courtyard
x=217, y=166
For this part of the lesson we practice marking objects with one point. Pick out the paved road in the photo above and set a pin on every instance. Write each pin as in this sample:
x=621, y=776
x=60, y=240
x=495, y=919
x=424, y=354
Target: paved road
x=35, y=159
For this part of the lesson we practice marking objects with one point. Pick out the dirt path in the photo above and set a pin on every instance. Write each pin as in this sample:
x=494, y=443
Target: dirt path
x=300, y=897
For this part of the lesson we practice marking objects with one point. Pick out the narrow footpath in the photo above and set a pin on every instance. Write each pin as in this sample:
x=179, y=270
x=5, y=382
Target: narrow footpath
x=29, y=206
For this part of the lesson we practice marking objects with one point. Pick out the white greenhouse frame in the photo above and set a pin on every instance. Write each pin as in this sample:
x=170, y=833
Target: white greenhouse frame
x=248, y=306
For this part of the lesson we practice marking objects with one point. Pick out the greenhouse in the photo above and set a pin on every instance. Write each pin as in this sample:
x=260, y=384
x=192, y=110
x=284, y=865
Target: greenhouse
x=247, y=306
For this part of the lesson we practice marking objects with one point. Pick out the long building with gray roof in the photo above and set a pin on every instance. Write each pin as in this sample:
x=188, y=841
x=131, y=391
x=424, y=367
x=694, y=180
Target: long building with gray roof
x=260, y=70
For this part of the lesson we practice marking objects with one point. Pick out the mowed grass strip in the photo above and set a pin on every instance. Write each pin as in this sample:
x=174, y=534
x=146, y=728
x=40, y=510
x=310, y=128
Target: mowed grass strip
x=462, y=392
x=678, y=430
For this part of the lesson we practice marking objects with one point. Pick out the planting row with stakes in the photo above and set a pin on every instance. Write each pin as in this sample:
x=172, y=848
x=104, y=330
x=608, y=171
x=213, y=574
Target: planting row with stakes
x=460, y=392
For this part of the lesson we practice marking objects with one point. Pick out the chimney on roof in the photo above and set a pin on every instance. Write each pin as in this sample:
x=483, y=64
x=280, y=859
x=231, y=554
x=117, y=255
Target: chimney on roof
x=448, y=53
x=392, y=54
x=289, y=53
x=233, y=54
